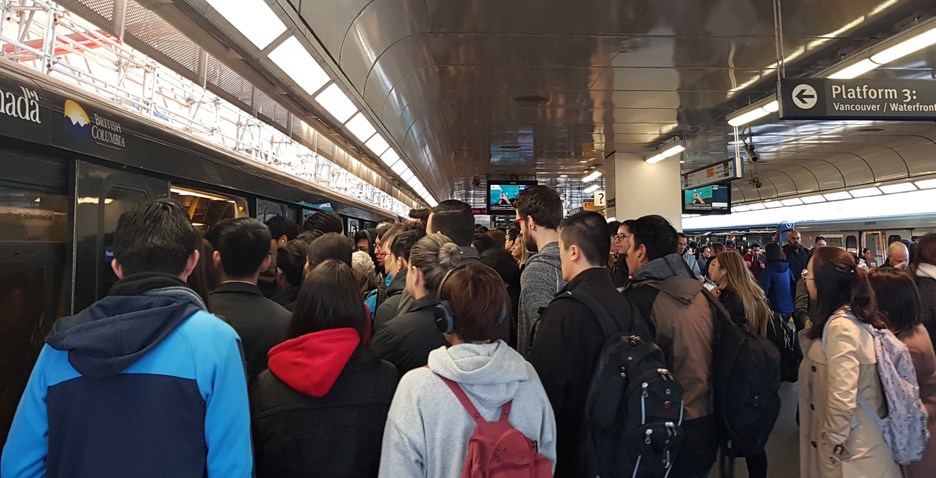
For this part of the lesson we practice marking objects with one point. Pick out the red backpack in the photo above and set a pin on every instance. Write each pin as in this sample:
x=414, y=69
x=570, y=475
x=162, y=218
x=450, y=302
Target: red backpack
x=497, y=449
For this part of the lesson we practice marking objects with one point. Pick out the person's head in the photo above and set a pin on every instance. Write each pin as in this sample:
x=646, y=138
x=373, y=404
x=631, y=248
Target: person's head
x=794, y=237
x=897, y=296
x=482, y=242
x=399, y=247
x=243, y=249
x=926, y=250
x=512, y=235
x=774, y=253
x=499, y=237
x=364, y=271
x=362, y=241
x=612, y=230
x=290, y=262
x=707, y=251
x=732, y=274
x=519, y=250
x=454, y=219
x=156, y=236
x=328, y=299
x=539, y=211
x=866, y=254
x=281, y=230
x=584, y=243
x=718, y=248
x=682, y=243
x=475, y=301
x=898, y=255
x=324, y=221
x=624, y=236
x=833, y=281
x=430, y=258
x=654, y=238
x=820, y=242
x=332, y=246
x=383, y=229
x=755, y=249
x=421, y=216
x=504, y=264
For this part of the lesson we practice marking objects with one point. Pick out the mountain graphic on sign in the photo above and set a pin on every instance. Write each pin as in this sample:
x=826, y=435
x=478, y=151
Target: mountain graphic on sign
x=76, y=114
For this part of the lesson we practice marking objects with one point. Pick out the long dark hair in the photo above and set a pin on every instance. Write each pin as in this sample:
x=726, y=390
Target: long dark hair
x=839, y=282
x=898, y=299
x=328, y=299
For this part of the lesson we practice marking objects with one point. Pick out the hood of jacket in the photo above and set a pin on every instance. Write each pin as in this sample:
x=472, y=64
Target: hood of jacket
x=780, y=267
x=490, y=373
x=662, y=268
x=397, y=284
x=113, y=333
x=548, y=255
x=311, y=364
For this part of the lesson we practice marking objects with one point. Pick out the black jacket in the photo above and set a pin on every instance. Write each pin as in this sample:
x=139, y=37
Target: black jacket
x=286, y=297
x=260, y=322
x=619, y=271
x=927, y=287
x=388, y=308
x=798, y=257
x=338, y=435
x=567, y=344
x=407, y=340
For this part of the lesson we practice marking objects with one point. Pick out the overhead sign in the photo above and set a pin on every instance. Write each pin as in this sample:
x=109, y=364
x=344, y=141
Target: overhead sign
x=714, y=173
x=600, y=198
x=591, y=206
x=815, y=98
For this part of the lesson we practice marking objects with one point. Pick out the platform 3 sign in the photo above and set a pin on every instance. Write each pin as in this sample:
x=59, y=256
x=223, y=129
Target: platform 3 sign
x=858, y=99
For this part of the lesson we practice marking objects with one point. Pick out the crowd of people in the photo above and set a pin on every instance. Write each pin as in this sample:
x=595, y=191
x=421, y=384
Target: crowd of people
x=436, y=347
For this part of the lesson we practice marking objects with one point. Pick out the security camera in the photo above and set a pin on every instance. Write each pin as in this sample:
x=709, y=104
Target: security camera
x=749, y=152
x=756, y=183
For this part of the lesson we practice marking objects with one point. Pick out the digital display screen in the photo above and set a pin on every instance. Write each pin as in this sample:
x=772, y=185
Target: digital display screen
x=501, y=196
x=711, y=199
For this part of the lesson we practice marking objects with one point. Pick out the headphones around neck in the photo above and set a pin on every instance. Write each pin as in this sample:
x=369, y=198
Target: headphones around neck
x=445, y=319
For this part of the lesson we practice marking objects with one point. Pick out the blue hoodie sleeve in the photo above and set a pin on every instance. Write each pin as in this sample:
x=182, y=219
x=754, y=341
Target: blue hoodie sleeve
x=223, y=383
x=27, y=445
x=765, y=279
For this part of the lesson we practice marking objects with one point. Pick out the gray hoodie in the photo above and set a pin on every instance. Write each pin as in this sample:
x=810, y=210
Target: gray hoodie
x=428, y=429
x=540, y=281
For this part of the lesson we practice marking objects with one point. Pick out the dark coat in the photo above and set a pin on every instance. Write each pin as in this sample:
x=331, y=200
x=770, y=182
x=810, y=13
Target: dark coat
x=798, y=257
x=927, y=287
x=388, y=308
x=566, y=346
x=260, y=322
x=338, y=435
x=619, y=272
x=407, y=340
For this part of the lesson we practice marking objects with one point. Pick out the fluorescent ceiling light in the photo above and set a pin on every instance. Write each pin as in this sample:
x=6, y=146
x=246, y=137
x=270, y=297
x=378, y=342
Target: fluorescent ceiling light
x=671, y=151
x=898, y=188
x=299, y=65
x=792, y=202
x=413, y=182
x=926, y=184
x=377, y=144
x=757, y=207
x=773, y=204
x=854, y=70
x=906, y=47
x=772, y=107
x=336, y=103
x=813, y=199
x=747, y=117
x=740, y=208
x=399, y=167
x=407, y=176
x=360, y=127
x=865, y=192
x=253, y=18
x=591, y=189
x=591, y=176
x=389, y=157
x=837, y=196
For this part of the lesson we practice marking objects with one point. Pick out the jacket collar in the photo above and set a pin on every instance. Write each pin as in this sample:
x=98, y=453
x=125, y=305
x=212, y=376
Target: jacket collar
x=926, y=270
x=237, y=287
x=430, y=300
x=594, y=277
x=662, y=268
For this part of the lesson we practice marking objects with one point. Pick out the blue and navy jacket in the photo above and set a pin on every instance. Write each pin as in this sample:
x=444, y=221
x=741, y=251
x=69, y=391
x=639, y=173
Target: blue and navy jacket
x=143, y=383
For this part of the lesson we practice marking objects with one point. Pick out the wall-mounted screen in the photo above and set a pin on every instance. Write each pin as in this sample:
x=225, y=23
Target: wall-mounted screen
x=502, y=194
x=711, y=199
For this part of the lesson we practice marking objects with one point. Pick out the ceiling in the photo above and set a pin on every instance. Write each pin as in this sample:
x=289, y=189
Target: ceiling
x=544, y=88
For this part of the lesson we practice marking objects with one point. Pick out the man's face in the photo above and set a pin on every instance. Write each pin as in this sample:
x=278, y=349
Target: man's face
x=821, y=243
x=635, y=257
x=363, y=245
x=625, y=237
x=707, y=252
x=794, y=238
x=379, y=252
x=900, y=258
x=755, y=251
x=528, y=241
x=682, y=244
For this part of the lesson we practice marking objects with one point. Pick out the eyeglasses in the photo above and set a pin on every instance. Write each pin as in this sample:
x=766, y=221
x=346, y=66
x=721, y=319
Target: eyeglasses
x=621, y=237
x=805, y=275
x=517, y=223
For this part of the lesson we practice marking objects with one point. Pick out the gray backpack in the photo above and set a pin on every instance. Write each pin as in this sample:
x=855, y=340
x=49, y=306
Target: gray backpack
x=904, y=428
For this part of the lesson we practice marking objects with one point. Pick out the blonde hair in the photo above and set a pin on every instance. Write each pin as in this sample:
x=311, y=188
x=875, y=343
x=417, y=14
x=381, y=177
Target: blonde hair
x=757, y=311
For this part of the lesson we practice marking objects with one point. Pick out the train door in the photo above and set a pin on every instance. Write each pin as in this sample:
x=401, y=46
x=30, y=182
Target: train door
x=103, y=194
x=34, y=235
x=874, y=240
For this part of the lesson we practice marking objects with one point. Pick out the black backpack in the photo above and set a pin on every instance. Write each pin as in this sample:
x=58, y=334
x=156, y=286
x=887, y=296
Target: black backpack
x=634, y=407
x=746, y=384
x=784, y=338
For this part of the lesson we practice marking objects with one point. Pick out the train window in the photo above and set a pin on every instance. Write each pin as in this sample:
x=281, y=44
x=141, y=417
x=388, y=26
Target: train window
x=206, y=209
x=893, y=238
x=851, y=243
x=267, y=209
x=32, y=216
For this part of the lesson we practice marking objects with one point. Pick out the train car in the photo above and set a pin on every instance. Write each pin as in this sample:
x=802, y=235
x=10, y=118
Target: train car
x=70, y=165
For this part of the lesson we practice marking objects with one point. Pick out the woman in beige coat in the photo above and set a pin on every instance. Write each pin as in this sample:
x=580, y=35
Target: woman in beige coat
x=837, y=437
x=899, y=302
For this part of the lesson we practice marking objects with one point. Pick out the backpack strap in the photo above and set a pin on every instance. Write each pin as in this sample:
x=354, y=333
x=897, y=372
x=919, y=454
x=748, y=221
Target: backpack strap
x=608, y=327
x=469, y=407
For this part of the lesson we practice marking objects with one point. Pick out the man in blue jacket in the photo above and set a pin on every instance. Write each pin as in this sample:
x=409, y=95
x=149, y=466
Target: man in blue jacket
x=142, y=383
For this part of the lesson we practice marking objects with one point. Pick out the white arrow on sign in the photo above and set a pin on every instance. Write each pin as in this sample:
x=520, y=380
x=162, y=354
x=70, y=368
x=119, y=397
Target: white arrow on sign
x=805, y=97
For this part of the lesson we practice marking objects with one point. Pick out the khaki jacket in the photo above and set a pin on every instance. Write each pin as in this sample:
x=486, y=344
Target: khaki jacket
x=837, y=438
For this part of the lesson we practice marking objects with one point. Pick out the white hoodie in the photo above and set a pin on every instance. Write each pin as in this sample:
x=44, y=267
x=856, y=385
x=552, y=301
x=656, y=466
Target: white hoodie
x=428, y=429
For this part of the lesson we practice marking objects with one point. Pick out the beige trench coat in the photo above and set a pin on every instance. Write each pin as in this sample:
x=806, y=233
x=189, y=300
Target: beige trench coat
x=837, y=438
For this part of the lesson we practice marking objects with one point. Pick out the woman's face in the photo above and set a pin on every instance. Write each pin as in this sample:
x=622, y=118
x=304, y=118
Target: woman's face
x=716, y=272
x=517, y=250
x=707, y=252
x=363, y=245
x=810, y=279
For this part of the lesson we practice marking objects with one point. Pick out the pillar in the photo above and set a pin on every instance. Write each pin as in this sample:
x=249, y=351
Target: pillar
x=641, y=189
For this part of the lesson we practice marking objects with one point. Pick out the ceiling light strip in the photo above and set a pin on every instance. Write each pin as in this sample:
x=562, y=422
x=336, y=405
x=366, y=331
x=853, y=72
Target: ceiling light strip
x=666, y=153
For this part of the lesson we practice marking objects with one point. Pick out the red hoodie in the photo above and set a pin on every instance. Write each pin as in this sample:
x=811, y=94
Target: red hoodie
x=312, y=363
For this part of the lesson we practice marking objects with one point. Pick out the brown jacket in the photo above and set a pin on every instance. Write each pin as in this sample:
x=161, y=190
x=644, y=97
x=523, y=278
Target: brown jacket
x=837, y=438
x=917, y=340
